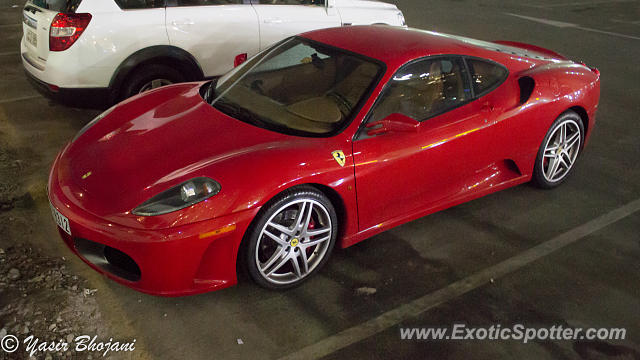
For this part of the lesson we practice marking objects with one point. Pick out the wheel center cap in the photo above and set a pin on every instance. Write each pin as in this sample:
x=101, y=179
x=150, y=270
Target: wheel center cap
x=294, y=242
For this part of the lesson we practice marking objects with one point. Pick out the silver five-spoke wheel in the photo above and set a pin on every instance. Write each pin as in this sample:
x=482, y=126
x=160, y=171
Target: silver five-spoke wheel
x=561, y=151
x=293, y=241
x=292, y=238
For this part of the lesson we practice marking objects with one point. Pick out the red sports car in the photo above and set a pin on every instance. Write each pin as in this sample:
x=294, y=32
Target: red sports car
x=329, y=137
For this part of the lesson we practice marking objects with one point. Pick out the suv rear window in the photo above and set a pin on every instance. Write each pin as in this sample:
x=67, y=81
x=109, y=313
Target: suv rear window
x=140, y=4
x=63, y=6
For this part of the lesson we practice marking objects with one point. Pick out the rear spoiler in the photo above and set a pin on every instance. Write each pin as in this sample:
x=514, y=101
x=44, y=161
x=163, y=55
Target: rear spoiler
x=537, y=49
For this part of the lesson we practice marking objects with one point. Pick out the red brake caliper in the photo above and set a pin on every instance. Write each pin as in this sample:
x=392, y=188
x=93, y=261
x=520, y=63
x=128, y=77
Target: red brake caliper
x=312, y=225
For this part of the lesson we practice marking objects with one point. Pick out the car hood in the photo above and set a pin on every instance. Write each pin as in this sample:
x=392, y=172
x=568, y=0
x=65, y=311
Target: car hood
x=150, y=143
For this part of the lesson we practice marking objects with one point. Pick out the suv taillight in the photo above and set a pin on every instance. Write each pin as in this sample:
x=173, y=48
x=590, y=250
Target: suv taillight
x=66, y=29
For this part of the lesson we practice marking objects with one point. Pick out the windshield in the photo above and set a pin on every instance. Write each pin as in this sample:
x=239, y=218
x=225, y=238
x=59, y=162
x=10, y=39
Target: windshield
x=297, y=87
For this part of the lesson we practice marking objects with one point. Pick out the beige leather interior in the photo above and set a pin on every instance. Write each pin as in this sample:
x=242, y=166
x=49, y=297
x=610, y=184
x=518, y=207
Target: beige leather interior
x=425, y=93
x=319, y=109
x=315, y=105
x=356, y=83
x=265, y=107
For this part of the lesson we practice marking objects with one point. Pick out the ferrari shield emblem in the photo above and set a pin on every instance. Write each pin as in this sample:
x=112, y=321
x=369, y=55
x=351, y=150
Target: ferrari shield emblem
x=338, y=156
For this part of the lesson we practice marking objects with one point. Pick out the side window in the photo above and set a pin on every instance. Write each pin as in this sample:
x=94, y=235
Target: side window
x=485, y=75
x=424, y=89
x=289, y=2
x=208, y=2
x=140, y=4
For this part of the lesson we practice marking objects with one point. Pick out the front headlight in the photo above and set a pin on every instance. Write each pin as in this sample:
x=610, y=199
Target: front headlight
x=93, y=122
x=179, y=197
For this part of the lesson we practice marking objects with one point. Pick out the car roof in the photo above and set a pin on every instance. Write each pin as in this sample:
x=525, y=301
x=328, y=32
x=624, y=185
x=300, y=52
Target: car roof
x=396, y=45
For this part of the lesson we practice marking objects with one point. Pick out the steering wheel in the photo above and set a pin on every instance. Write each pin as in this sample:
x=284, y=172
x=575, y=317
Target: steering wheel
x=317, y=62
x=256, y=85
x=341, y=101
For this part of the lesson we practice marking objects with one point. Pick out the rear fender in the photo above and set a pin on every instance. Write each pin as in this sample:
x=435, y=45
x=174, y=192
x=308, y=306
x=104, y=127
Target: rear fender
x=564, y=79
x=530, y=47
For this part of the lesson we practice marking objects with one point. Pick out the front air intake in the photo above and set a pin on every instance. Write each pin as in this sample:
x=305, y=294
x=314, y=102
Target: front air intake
x=108, y=259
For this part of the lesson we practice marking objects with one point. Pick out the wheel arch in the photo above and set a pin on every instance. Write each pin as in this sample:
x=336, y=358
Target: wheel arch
x=160, y=54
x=584, y=116
x=337, y=201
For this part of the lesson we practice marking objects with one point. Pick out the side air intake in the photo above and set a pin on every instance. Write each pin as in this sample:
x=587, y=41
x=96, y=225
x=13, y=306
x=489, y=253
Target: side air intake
x=526, y=88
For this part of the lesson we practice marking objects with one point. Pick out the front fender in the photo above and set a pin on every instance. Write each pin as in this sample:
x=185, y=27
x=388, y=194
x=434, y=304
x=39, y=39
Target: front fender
x=252, y=179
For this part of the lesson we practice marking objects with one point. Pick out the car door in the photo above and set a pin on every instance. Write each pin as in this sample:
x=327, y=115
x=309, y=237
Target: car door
x=213, y=31
x=400, y=173
x=280, y=19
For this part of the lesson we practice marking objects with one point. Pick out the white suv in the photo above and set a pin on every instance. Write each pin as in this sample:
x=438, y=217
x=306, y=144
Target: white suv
x=102, y=51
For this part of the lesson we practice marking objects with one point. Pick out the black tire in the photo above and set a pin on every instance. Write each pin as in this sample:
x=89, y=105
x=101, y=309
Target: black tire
x=146, y=74
x=541, y=171
x=282, y=204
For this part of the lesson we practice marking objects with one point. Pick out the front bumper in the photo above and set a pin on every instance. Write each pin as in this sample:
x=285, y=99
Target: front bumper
x=184, y=260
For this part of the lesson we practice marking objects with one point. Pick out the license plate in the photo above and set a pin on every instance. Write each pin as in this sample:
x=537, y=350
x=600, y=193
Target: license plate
x=32, y=38
x=61, y=220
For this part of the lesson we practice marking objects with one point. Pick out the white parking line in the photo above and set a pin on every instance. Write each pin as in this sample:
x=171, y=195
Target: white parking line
x=396, y=316
x=562, y=24
x=577, y=3
x=5, y=101
x=636, y=22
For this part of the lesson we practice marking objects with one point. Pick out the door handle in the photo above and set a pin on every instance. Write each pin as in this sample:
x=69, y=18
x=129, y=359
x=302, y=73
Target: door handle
x=486, y=110
x=183, y=22
x=273, y=21
x=487, y=107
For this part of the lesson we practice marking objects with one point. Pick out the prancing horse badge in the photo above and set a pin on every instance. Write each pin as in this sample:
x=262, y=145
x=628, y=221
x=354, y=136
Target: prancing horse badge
x=338, y=155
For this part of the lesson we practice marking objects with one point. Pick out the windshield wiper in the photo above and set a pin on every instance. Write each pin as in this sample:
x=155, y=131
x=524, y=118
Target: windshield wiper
x=211, y=90
x=239, y=112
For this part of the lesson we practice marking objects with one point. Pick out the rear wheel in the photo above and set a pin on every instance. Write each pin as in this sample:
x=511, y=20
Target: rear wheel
x=150, y=77
x=559, y=151
x=292, y=239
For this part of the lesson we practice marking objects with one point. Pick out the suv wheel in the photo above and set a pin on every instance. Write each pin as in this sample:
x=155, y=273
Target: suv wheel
x=150, y=77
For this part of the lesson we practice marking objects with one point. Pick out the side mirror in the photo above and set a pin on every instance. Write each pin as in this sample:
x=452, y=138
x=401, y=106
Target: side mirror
x=393, y=123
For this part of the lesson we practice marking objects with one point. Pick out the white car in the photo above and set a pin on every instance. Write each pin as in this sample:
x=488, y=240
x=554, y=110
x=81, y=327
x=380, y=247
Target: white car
x=107, y=50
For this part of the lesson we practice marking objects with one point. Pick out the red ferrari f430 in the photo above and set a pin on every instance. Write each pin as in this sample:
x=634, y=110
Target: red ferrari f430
x=325, y=138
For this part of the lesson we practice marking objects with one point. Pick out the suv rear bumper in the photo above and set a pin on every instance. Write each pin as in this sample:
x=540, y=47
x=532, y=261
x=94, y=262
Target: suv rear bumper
x=47, y=77
x=95, y=98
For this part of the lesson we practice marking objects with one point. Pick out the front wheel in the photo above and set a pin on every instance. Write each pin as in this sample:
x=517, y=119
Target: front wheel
x=559, y=151
x=292, y=239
